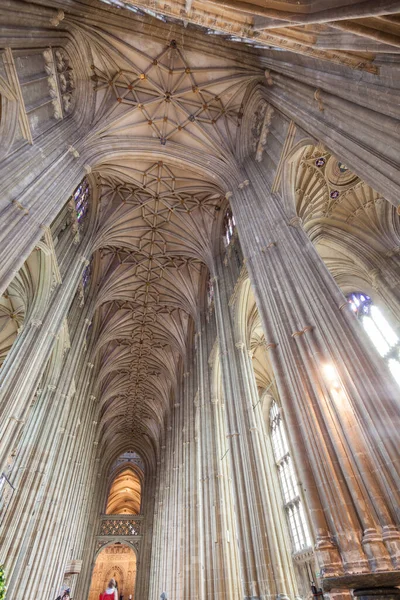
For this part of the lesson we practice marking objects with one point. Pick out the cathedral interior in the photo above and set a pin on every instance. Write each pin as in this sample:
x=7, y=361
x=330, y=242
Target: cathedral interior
x=200, y=299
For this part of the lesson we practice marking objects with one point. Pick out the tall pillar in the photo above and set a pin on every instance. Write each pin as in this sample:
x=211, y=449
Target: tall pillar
x=220, y=567
x=340, y=401
x=261, y=567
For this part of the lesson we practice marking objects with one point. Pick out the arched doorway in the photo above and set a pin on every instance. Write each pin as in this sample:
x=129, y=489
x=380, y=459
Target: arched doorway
x=120, y=524
x=116, y=561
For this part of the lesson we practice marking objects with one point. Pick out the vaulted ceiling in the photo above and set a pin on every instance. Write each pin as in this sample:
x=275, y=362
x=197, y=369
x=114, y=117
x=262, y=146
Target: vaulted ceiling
x=153, y=238
x=179, y=104
x=156, y=217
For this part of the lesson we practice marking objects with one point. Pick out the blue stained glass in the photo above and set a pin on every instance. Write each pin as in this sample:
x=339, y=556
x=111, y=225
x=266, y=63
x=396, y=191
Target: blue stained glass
x=81, y=199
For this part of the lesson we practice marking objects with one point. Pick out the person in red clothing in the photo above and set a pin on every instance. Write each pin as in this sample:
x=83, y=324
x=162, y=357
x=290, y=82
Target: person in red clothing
x=111, y=592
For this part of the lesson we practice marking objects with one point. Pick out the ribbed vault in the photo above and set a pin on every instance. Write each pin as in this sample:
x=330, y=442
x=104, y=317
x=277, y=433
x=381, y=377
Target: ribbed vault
x=164, y=92
x=125, y=494
x=154, y=235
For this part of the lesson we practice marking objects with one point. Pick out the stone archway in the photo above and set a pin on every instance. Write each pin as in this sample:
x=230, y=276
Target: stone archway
x=116, y=561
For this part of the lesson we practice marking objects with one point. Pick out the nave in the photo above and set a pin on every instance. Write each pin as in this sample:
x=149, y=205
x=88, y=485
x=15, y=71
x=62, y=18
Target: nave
x=200, y=300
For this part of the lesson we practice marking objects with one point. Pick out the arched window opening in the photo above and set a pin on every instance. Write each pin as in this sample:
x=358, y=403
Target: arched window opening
x=81, y=198
x=229, y=226
x=117, y=561
x=125, y=494
x=378, y=329
x=290, y=491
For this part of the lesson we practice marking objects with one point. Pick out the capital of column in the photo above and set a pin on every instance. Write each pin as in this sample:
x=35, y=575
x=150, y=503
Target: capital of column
x=73, y=151
x=90, y=365
x=87, y=168
x=20, y=207
x=270, y=345
x=228, y=195
x=268, y=77
x=269, y=247
x=56, y=20
x=36, y=323
x=302, y=331
x=84, y=260
x=296, y=222
x=375, y=277
x=16, y=419
x=396, y=249
x=240, y=345
x=243, y=184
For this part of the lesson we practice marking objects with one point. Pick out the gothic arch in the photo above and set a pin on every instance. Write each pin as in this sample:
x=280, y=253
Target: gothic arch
x=26, y=297
x=354, y=229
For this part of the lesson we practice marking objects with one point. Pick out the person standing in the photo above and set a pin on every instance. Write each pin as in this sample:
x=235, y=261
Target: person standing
x=111, y=592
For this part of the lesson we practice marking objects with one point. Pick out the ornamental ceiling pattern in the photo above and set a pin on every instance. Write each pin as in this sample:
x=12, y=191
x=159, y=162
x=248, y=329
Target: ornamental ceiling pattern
x=328, y=193
x=153, y=238
x=169, y=94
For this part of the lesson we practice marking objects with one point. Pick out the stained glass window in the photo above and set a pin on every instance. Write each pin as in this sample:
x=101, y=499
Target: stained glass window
x=81, y=199
x=290, y=490
x=378, y=329
x=229, y=227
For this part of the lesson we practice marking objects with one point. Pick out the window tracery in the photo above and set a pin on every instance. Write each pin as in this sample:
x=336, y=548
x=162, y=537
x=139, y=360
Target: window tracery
x=378, y=329
x=229, y=226
x=81, y=199
x=290, y=491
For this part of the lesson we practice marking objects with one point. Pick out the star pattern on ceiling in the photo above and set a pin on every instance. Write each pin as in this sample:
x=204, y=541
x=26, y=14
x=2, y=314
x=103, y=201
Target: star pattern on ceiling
x=174, y=100
x=153, y=238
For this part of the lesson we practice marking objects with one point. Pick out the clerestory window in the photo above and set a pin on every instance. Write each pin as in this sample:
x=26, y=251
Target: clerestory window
x=229, y=227
x=81, y=199
x=290, y=490
x=378, y=329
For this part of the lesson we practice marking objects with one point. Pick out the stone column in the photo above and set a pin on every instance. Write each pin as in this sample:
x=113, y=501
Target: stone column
x=220, y=567
x=22, y=375
x=340, y=401
x=257, y=550
x=282, y=564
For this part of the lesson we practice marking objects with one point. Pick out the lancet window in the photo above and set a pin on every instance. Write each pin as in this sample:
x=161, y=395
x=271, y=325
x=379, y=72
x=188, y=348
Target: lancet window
x=378, y=329
x=290, y=490
x=229, y=227
x=81, y=200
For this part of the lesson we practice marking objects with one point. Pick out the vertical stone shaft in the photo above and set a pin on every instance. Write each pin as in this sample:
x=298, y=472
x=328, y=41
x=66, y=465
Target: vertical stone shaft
x=247, y=459
x=305, y=317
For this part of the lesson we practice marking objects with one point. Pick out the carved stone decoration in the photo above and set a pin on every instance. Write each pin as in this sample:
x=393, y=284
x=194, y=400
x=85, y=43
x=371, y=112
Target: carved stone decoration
x=61, y=81
x=66, y=79
x=116, y=526
x=260, y=128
